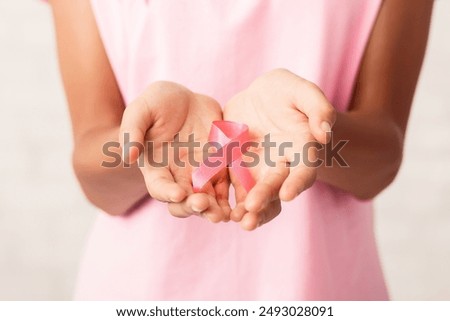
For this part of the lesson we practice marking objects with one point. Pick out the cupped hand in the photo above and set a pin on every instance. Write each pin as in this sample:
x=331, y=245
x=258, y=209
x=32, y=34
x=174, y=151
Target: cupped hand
x=167, y=112
x=296, y=115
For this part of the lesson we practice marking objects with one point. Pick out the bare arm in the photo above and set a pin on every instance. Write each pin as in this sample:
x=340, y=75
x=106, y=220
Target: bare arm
x=96, y=108
x=376, y=123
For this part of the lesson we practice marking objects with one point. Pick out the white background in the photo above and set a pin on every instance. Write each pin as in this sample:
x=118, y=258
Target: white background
x=44, y=218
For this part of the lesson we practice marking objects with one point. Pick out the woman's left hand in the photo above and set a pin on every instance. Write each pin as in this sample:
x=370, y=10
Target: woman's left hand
x=288, y=116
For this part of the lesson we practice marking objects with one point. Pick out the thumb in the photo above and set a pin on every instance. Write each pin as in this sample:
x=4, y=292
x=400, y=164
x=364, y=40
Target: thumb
x=311, y=101
x=136, y=121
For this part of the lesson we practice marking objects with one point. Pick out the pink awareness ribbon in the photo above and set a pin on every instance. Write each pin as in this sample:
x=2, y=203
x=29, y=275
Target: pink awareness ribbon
x=231, y=139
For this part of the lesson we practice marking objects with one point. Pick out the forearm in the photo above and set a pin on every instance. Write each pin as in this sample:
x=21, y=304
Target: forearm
x=382, y=99
x=113, y=188
x=373, y=154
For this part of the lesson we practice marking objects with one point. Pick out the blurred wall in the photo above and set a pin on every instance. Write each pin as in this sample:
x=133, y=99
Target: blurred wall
x=44, y=218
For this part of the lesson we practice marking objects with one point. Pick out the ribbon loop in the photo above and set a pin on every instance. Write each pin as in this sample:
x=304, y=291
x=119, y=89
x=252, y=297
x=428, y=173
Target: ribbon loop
x=230, y=138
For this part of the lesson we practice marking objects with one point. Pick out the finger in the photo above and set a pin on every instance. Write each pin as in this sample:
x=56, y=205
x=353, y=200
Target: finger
x=299, y=179
x=222, y=188
x=194, y=204
x=267, y=188
x=253, y=220
x=197, y=203
x=215, y=213
x=238, y=212
x=201, y=204
x=206, y=202
x=162, y=186
x=250, y=220
x=302, y=175
x=310, y=100
x=271, y=212
x=240, y=194
x=136, y=121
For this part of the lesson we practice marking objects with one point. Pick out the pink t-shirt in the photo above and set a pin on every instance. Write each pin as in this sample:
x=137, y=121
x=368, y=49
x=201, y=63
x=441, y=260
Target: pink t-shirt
x=322, y=246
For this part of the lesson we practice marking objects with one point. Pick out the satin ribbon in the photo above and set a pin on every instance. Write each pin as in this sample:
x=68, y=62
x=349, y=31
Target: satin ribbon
x=230, y=137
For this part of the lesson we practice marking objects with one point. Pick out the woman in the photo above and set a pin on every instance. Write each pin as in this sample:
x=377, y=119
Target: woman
x=291, y=69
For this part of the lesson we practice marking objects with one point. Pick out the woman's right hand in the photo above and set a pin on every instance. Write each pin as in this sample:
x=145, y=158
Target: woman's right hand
x=163, y=111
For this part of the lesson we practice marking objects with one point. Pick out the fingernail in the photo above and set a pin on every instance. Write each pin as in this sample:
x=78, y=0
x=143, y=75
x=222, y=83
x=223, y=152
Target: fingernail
x=196, y=209
x=325, y=126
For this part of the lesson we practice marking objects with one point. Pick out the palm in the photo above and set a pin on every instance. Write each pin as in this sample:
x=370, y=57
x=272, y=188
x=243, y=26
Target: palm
x=268, y=109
